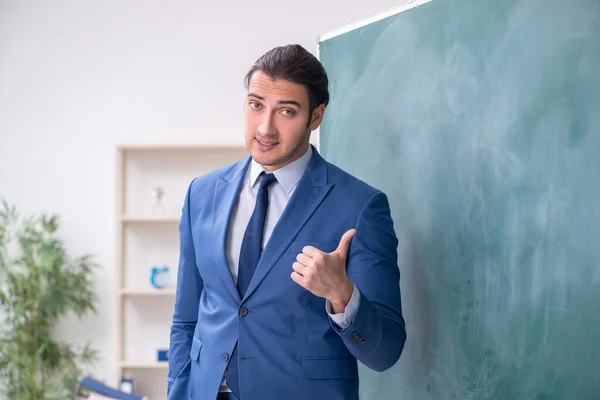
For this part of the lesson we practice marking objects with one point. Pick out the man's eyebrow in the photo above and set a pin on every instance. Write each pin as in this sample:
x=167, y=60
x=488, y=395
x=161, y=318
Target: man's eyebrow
x=294, y=102
x=255, y=95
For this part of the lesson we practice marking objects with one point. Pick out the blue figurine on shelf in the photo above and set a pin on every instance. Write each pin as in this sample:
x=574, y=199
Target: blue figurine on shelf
x=159, y=277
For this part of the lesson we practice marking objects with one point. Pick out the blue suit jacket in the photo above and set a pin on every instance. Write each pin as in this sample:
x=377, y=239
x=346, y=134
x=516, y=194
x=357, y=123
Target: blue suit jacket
x=288, y=346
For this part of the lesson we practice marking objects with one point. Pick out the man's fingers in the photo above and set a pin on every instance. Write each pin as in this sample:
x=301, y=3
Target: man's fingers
x=299, y=279
x=311, y=251
x=299, y=268
x=303, y=259
x=345, y=242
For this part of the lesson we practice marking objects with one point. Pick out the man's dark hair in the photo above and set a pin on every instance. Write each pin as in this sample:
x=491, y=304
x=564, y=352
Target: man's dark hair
x=295, y=64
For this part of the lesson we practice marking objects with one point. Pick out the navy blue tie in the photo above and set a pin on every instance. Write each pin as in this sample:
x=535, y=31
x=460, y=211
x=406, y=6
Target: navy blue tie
x=249, y=256
x=252, y=243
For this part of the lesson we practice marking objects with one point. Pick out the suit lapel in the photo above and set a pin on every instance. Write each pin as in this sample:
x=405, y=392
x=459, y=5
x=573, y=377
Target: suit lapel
x=227, y=192
x=308, y=195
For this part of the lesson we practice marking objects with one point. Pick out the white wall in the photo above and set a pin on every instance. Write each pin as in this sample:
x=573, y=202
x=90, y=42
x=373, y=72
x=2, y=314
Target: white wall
x=78, y=77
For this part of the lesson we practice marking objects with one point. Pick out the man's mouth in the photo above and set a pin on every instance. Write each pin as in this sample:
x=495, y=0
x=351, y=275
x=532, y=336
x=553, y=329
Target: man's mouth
x=268, y=143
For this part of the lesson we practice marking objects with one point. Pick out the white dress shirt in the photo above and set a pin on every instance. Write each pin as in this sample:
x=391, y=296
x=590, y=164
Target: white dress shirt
x=279, y=195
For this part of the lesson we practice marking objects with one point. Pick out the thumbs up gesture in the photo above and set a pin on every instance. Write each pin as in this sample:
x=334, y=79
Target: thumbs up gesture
x=324, y=274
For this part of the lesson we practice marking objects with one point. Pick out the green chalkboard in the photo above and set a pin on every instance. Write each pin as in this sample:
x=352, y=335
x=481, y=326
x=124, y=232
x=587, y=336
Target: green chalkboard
x=481, y=121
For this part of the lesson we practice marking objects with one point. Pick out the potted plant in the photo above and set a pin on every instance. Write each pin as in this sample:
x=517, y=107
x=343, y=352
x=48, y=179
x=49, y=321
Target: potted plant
x=39, y=284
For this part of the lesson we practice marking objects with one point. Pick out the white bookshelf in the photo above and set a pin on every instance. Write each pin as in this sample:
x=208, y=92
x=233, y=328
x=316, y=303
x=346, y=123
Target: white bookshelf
x=147, y=236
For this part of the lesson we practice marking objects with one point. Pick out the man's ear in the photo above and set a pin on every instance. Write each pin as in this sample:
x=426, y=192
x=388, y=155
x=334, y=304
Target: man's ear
x=317, y=117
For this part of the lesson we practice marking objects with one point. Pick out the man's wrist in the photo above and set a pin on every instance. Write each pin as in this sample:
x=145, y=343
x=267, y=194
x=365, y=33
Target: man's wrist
x=340, y=300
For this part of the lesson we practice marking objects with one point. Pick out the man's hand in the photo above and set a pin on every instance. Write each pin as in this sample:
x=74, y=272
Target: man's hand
x=324, y=274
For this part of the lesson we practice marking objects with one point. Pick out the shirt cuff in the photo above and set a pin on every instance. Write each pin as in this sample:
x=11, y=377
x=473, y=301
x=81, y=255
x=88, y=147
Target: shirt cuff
x=343, y=320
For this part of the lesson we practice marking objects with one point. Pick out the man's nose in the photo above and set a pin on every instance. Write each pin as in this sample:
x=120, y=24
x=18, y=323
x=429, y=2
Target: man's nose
x=266, y=125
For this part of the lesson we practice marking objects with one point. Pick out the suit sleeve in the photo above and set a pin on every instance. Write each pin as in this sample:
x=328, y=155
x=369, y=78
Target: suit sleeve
x=376, y=333
x=187, y=299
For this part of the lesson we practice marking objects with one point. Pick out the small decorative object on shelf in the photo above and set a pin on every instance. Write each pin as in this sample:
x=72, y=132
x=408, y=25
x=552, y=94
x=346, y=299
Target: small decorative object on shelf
x=126, y=385
x=159, y=277
x=162, y=355
x=158, y=208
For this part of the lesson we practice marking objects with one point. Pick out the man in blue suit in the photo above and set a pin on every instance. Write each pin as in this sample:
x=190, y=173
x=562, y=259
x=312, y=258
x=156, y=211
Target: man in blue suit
x=288, y=265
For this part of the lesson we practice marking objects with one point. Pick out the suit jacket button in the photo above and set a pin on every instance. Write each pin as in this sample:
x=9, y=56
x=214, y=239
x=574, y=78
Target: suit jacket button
x=224, y=357
x=243, y=312
x=354, y=335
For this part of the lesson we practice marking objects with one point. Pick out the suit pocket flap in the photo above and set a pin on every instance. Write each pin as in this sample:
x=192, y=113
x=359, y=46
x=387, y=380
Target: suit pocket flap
x=195, y=351
x=329, y=368
x=327, y=247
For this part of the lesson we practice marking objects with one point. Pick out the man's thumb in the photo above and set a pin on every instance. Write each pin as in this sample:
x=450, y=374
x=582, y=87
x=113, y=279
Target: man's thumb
x=345, y=242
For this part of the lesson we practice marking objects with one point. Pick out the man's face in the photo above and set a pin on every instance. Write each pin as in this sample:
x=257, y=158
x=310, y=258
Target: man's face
x=277, y=127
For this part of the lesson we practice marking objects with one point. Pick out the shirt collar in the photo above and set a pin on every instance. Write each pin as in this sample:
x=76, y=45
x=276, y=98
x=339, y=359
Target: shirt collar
x=288, y=176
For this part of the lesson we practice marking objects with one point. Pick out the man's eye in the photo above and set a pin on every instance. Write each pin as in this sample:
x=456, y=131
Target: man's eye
x=254, y=105
x=288, y=113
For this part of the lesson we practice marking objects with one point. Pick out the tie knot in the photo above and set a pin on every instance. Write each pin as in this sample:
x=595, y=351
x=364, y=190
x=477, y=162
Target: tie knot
x=266, y=180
